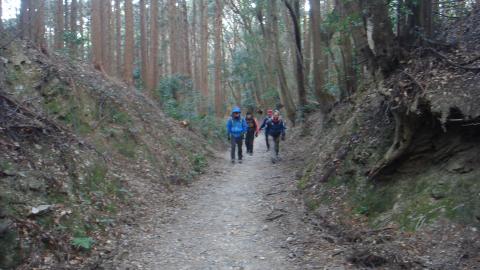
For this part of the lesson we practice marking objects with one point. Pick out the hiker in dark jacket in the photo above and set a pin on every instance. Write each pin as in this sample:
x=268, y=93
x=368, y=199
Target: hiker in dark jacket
x=252, y=131
x=276, y=129
x=264, y=125
x=236, y=128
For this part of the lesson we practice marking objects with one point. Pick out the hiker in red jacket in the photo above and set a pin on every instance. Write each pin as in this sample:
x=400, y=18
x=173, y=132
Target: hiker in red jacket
x=252, y=132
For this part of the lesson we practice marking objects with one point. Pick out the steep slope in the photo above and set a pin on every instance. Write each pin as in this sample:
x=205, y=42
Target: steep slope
x=78, y=150
x=403, y=154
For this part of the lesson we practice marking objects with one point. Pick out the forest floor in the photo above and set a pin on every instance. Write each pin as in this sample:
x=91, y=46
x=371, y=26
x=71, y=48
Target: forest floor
x=241, y=216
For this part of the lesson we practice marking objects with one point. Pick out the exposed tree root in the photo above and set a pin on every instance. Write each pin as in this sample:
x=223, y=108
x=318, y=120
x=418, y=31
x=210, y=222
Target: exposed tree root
x=405, y=125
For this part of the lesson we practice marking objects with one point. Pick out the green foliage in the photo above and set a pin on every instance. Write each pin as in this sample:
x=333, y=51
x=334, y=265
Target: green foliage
x=180, y=101
x=85, y=243
x=199, y=163
x=178, y=97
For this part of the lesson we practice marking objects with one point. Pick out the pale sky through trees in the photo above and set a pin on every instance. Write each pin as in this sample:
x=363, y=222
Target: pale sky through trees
x=10, y=9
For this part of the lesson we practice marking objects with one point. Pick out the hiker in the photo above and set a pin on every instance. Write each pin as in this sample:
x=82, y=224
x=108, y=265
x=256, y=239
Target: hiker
x=276, y=128
x=264, y=125
x=252, y=132
x=236, y=128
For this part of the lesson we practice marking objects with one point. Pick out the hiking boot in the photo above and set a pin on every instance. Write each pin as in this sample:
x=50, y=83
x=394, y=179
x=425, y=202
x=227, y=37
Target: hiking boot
x=233, y=161
x=251, y=153
x=274, y=160
x=240, y=161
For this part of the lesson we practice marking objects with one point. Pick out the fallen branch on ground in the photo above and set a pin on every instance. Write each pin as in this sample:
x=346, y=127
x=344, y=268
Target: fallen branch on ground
x=450, y=62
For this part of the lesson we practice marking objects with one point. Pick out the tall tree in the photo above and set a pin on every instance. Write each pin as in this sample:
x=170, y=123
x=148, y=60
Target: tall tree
x=106, y=36
x=73, y=28
x=59, y=24
x=319, y=64
x=143, y=43
x=80, y=28
x=1, y=15
x=153, y=77
x=294, y=11
x=129, y=45
x=98, y=38
x=187, y=62
x=118, y=38
x=174, y=45
x=284, y=91
x=25, y=18
x=219, y=95
x=204, y=56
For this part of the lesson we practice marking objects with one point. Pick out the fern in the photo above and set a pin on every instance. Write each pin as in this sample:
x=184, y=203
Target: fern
x=83, y=243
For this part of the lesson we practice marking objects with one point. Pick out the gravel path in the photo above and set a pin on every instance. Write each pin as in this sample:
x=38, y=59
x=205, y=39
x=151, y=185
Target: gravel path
x=222, y=221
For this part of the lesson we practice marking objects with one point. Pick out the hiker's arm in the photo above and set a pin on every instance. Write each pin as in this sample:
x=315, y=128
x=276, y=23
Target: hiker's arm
x=229, y=127
x=257, y=127
x=264, y=123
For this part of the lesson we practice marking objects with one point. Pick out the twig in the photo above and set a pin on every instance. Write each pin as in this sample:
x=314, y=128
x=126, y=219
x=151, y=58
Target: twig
x=275, y=193
x=414, y=80
x=450, y=61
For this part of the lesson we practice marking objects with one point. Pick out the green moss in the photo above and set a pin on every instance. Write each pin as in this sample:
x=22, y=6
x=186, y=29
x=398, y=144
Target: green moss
x=120, y=117
x=53, y=107
x=312, y=204
x=125, y=146
x=419, y=212
x=374, y=201
x=303, y=182
x=10, y=250
x=199, y=163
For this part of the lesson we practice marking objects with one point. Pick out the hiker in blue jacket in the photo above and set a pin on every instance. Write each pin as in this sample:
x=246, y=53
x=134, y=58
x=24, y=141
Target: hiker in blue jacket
x=276, y=129
x=236, y=128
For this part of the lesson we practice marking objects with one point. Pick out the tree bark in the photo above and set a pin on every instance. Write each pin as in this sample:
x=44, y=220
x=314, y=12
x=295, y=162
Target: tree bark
x=80, y=29
x=66, y=15
x=118, y=38
x=357, y=28
x=153, y=77
x=59, y=24
x=349, y=84
x=284, y=92
x=1, y=15
x=129, y=46
x=307, y=44
x=219, y=95
x=25, y=18
x=96, y=28
x=173, y=37
x=320, y=64
x=204, y=56
x=187, y=62
x=385, y=46
x=144, y=44
x=294, y=10
x=106, y=37
x=73, y=28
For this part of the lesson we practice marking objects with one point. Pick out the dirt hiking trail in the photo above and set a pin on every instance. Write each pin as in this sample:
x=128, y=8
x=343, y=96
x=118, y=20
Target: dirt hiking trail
x=229, y=219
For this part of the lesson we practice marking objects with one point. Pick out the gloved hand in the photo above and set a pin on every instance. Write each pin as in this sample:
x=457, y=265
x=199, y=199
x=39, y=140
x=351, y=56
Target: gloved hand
x=283, y=137
x=256, y=134
x=228, y=137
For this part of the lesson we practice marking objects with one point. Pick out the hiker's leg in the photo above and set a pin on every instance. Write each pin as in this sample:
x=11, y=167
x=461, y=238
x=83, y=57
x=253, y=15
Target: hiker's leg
x=266, y=140
x=239, y=145
x=248, y=140
x=252, y=143
x=274, y=139
x=233, y=143
x=277, y=145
